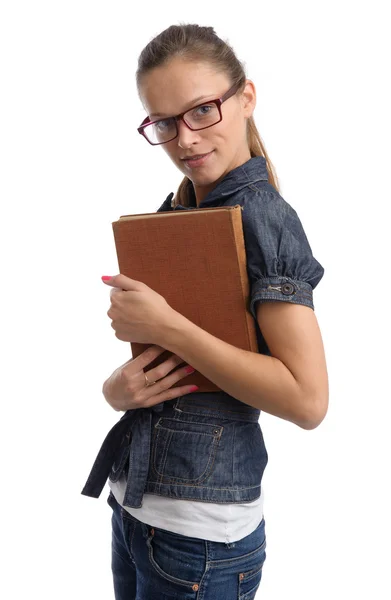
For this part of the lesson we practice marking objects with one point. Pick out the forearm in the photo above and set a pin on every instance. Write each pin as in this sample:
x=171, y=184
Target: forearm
x=255, y=379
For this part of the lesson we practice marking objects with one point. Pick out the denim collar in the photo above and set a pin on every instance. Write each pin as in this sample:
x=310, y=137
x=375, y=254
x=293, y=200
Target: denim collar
x=250, y=172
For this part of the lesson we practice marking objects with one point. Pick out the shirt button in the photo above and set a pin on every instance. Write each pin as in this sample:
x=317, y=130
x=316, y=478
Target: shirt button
x=288, y=289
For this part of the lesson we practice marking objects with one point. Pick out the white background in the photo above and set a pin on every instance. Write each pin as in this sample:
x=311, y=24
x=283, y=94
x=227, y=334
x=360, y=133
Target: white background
x=72, y=162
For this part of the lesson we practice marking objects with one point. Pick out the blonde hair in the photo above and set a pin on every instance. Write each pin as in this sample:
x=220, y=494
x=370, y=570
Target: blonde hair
x=197, y=43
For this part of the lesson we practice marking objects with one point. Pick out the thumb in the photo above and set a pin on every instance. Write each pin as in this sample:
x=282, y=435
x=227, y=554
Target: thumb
x=122, y=282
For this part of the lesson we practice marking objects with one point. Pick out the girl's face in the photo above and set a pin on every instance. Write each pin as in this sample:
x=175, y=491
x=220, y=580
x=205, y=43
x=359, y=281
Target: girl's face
x=178, y=86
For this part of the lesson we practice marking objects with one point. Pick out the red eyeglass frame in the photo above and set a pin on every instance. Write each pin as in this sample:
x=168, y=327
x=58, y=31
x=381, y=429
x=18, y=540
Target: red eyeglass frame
x=217, y=101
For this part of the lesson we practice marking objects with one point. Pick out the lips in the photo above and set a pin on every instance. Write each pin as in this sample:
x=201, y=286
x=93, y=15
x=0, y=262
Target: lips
x=195, y=156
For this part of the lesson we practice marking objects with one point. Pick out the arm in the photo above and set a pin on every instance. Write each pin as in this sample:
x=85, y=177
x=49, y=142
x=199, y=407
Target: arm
x=291, y=384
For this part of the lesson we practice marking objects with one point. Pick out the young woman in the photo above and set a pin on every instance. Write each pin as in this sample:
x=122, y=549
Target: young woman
x=185, y=468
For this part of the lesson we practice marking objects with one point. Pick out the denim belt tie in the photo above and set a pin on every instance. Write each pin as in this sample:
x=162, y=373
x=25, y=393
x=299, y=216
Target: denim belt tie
x=128, y=440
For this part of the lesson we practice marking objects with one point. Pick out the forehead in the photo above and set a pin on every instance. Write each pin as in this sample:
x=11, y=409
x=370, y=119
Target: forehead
x=170, y=89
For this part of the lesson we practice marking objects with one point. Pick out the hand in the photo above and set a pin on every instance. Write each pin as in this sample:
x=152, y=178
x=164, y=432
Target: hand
x=138, y=313
x=125, y=389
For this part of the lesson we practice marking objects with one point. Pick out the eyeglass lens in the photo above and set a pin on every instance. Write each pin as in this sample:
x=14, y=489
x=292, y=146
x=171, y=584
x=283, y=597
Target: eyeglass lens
x=197, y=118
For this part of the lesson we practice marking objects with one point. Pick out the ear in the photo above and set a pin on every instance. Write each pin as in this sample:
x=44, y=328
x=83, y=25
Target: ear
x=249, y=98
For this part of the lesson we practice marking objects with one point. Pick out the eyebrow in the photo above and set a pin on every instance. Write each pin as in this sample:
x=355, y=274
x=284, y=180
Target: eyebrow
x=193, y=103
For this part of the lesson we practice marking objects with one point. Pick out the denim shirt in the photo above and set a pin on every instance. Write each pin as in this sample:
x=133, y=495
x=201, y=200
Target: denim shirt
x=209, y=446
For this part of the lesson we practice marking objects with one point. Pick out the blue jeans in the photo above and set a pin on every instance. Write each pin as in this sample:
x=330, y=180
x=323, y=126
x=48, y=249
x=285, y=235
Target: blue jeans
x=154, y=564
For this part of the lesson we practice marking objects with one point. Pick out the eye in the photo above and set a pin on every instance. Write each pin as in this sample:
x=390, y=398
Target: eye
x=203, y=110
x=162, y=125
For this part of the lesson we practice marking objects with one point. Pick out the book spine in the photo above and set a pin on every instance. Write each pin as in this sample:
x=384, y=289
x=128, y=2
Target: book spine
x=237, y=228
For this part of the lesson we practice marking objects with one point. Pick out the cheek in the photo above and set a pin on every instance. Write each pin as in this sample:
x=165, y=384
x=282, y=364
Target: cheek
x=230, y=128
x=224, y=134
x=171, y=151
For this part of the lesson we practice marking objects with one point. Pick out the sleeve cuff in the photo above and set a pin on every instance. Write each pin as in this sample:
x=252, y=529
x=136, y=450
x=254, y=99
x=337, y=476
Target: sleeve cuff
x=282, y=289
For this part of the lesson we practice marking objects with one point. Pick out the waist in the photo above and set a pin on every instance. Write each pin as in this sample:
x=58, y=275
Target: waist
x=212, y=404
x=127, y=446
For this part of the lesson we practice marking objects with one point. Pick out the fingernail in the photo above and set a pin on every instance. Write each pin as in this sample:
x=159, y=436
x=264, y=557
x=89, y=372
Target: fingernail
x=194, y=388
x=189, y=369
x=106, y=277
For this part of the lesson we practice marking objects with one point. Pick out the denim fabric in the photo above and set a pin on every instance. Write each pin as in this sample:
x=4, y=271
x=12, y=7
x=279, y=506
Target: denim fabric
x=209, y=446
x=155, y=564
x=201, y=446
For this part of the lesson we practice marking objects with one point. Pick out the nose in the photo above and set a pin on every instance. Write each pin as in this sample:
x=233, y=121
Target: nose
x=186, y=136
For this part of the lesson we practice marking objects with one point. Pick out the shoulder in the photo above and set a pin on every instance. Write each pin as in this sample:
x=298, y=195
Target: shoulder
x=266, y=213
x=262, y=199
x=277, y=247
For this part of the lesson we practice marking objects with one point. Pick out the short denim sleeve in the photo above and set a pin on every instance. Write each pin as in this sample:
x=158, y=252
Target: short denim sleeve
x=280, y=263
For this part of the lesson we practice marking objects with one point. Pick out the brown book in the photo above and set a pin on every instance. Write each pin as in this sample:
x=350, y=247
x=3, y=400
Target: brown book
x=196, y=260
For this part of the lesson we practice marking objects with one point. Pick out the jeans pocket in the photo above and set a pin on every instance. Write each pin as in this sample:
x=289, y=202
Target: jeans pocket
x=250, y=579
x=171, y=559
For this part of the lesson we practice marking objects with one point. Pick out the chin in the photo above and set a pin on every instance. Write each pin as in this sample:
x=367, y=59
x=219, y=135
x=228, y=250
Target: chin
x=203, y=180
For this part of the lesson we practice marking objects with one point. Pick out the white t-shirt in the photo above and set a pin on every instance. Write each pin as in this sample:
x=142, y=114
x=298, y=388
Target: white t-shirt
x=205, y=520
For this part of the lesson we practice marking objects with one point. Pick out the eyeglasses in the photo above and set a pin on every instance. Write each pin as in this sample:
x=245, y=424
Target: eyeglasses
x=199, y=117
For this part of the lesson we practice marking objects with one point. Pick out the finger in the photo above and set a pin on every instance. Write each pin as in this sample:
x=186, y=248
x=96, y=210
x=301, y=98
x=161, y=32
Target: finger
x=114, y=291
x=165, y=382
x=146, y=357
x=164, y=368
x=169, y=394
x=124, y=283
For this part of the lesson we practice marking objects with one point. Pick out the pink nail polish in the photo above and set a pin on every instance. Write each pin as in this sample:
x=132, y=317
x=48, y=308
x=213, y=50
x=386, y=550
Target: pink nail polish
x=194, y=388
x=106, y=277
x=189, y=369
